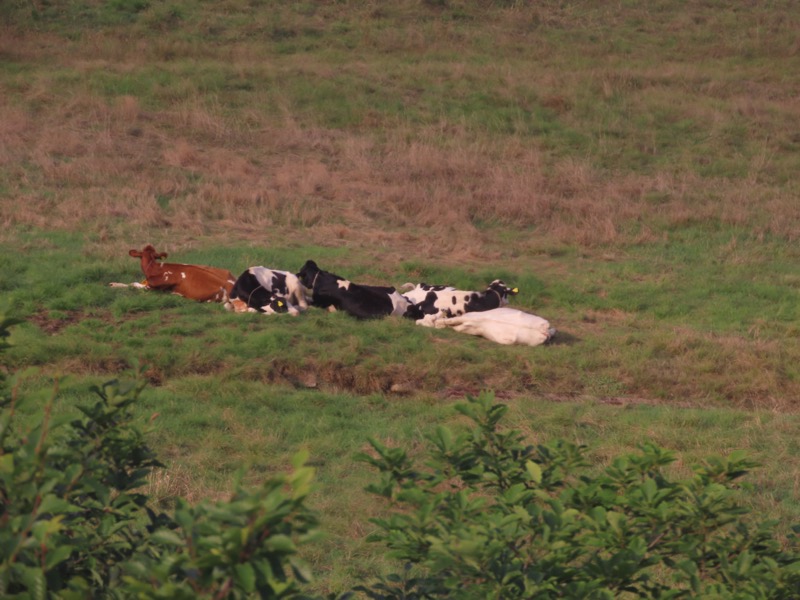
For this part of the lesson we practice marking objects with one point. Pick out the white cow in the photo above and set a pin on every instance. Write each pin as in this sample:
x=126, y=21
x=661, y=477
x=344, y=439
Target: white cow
x=502, y=325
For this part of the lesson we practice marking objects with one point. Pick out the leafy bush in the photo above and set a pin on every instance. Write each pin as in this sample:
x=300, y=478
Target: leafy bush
x=73, y=523
x=495, y=518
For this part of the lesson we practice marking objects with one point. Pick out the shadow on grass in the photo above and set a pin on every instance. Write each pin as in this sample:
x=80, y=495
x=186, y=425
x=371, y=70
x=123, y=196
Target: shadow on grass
x=563, y=338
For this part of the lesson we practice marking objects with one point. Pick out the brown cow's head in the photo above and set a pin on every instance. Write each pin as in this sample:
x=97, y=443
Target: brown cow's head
x=148, y=252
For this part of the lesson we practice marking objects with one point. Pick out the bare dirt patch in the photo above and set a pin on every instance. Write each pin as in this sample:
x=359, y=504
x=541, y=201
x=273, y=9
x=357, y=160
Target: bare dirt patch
x=53, y=324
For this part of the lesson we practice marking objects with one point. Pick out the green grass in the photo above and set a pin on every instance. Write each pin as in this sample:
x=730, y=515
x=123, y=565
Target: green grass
x=664, y=321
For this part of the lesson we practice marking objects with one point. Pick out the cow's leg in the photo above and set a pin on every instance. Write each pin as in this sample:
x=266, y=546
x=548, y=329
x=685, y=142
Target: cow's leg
x=298, y=297
x=431, y=321
x=239, y=305
x=135, y=284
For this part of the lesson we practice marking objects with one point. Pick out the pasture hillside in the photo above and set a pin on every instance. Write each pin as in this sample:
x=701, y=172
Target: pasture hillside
x=631, y=167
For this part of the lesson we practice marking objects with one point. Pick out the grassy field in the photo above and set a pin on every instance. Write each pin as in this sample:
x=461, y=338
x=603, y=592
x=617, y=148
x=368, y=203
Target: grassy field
x=631, y=167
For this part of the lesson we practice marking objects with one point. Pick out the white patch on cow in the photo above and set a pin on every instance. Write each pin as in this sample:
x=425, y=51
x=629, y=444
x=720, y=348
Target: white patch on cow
x=417, y=293
x=343, y=284
x=183, y=274
x=263, y=275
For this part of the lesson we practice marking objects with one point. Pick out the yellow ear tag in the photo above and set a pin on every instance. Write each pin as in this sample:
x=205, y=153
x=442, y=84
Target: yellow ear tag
x=515, y=291
x=280, y=303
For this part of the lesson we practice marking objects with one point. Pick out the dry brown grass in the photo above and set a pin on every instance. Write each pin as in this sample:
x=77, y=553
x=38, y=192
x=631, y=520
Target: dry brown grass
x=101, y=161
x=87, y=162
x=196, y=169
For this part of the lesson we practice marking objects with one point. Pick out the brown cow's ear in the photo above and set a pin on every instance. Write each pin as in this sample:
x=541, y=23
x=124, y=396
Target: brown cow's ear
x=135, y=253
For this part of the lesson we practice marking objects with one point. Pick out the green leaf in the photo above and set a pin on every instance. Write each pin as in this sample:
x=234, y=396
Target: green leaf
x=300, y=458
x=598, y=515
x=54, y=504
x=246, y=577
x=166, y=538
x=300, y=569
x=534, y=470
x=615, y=520
x=649, y=489
x=280, y=543
x=443, y=438
x=57, y=555
x=33, y=579
x=44, y=527
x=7, y=463
x=183, y=516
x=743, y=563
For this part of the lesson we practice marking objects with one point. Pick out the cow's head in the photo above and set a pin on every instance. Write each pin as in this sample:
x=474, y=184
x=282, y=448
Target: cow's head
x=414, y=311
x=148, y=253
x=502, y=290
x=275, y=305
x=307, y=275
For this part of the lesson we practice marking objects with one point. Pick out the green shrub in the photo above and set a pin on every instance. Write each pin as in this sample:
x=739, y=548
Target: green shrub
x=492, y=517
x=74, y=523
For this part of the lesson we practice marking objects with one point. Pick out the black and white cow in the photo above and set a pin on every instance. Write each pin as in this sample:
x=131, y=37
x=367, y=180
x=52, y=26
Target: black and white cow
x=264, y=290
x=361, y=301
x=431, y=302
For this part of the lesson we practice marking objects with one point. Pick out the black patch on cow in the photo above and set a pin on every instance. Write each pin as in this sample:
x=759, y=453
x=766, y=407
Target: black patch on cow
x=415, y=311
x=432, y=288
x=279, y=283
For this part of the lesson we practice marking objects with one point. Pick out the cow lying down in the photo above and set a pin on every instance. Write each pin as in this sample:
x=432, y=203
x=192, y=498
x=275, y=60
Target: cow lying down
x=430, y=302
x=195, y=282
x=360, y=301
x=502, y=325
x=267, y=291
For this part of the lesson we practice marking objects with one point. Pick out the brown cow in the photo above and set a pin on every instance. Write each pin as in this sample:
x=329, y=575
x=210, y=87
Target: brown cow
x=196, y=282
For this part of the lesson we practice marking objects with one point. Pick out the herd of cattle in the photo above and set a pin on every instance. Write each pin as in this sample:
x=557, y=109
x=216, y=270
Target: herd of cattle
x=270, y=291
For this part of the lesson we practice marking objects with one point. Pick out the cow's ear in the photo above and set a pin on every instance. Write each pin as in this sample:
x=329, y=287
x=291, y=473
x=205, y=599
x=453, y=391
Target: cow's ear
x=515, y=290
x=135, y=253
